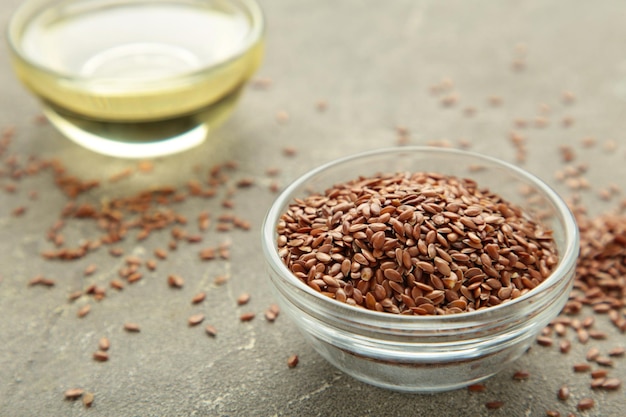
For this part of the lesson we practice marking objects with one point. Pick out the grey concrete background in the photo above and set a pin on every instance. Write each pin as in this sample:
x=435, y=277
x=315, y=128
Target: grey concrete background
x=373, y=62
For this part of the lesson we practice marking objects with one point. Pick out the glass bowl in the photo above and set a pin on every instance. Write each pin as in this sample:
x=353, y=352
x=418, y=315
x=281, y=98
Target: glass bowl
x=426, y=353
x=136, y=78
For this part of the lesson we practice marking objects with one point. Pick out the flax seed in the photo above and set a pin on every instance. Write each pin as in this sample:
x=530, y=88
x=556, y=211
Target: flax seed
x=83, y=311
x=563, y=393
x=195, y=319
x=132, y=327
x=175, y=281
x=247, y=316
x=104, y=344
x=243, y=299
x=74, y=393
x=292, y=361
x=88, y=399
x=582, y=367
x=494, y=405
x=198, y=298
x=585, y=404
x=101, y=356
x=210, y=330
x=611, y=383
x=478, y=387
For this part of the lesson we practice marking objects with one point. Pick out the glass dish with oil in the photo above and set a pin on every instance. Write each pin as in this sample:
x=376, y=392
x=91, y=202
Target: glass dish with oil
x=136, y=78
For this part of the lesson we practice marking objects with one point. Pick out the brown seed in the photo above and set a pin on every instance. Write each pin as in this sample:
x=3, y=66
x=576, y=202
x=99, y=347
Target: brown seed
x=198, y=298
x=604, y=361
x=247, y=316
x=599, y=373
x=521, y=375
x=563, y=393
x=592, y=354
x=544, y=341
x=611, y=383
x=74, y=393
x=585, y=404
x=83, y=311
x=195, y=319
x=478, y=387
x=132, y=327
x=565, y=346
x=617, y=351
x=175, y=281
x=243, y=299
x=292, y=361
x=104, y=344
x=582, y=367
x=88, y=399
x=90, y=269
x=210, y=330
x=553, y=413
x=494, y=405
x=101, y=356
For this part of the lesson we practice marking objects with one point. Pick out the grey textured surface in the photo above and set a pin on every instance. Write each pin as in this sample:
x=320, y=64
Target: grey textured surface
x=373, y=62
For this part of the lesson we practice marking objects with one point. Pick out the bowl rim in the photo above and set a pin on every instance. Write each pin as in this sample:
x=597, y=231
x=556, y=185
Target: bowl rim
x=566, y=261
x=15, y=28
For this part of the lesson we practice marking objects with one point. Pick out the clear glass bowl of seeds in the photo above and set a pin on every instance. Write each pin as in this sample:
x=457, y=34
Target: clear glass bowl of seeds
x=420, y=269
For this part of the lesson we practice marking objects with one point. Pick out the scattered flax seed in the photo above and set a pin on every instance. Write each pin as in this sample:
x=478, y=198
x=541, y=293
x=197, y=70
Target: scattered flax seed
x=198, y=298
x=585, y=404
x=101, y=356
x=568, y=97
x=521, y=375
x=145, y=166
x=195, y=319
x=19, y=211
x=611, y=383
x=604, y=361
x=449, y=100
x=321, y=106
x=292, y=361
x=617, y=351
x=282, y=117
x=134, y=277
x=592, y=354
x=88, y=399
x=582, y=367
x=495, y=101
x=74, y=393
x=243, y=299
x=151, y=264
x=104, y=344
x=563, y=393
x=261, y=83
x=115, y=251
x=125, y=173
x=247, y=316
x=220, y=280
x=553, y=413
x=40, y=280
x=117, y=284
x=544, y=341
x=211, y=330
x=132, y=327
x=83, y=311
x=478, y=387
x=469, y=111
x=290, y=151
x=160, y=253
x=494, y=405
x=175, y=281
x=90, y=269
x=565, y=346
x=75, y=295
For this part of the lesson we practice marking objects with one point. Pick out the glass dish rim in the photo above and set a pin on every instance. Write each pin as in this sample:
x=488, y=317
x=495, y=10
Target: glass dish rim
x=257, y=29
